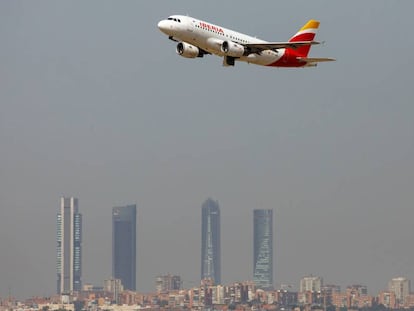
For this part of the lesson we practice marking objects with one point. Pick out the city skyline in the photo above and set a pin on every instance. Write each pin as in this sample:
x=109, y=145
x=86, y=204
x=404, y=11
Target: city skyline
x=95, y=103
x=124, y=245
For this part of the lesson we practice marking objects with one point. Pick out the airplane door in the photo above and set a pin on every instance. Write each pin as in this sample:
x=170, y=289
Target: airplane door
x=190, y=26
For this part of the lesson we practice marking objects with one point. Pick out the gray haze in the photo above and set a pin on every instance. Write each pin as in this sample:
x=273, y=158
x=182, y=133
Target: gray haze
x=94, y=103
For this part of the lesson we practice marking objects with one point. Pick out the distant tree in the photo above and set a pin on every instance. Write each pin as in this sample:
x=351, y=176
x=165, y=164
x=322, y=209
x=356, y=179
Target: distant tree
x=254, y=302
x=379, y=307
x=79, y=305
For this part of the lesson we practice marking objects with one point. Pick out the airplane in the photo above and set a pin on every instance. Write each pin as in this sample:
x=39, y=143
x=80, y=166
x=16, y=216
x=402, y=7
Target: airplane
x=197, y=38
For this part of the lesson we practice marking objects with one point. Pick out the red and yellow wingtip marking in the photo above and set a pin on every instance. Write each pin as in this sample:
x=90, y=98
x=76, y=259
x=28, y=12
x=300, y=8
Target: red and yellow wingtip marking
x=312, y=24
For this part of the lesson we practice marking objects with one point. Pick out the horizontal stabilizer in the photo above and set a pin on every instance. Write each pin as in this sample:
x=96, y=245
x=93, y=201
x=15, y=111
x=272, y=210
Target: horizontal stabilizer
x=315, y=59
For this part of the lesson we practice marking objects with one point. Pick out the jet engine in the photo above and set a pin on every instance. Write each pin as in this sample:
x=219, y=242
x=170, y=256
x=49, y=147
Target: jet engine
x=233, y=49
x=188, y=50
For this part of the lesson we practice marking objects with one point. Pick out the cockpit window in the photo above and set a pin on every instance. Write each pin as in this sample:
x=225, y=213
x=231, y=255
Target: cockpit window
x=174, y=19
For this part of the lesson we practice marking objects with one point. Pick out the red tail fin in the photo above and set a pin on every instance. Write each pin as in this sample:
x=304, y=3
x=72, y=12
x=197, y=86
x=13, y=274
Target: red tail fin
x=306, y=33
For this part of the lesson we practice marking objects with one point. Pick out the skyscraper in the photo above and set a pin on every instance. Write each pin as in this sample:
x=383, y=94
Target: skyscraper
x=124, y=223
x=263, y=248
x=210, y=242
x=69, y=246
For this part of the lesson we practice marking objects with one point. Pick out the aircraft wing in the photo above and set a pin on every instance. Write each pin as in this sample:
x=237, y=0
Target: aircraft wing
x=259, y=47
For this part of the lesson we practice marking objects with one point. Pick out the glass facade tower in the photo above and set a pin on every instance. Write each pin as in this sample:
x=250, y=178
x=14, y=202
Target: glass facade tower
x=124, y=223
x=263, y=249
x=69, y=247
x=210, y=242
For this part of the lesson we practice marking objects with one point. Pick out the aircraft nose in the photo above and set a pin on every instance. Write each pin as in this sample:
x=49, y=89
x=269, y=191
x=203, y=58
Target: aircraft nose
x=163, y=26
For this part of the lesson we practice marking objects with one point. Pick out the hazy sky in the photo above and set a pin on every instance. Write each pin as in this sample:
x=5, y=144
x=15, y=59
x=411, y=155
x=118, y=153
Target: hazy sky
x=95, y=103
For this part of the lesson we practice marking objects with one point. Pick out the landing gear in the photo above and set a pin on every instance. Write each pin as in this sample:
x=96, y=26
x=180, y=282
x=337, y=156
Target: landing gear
x=228, y=61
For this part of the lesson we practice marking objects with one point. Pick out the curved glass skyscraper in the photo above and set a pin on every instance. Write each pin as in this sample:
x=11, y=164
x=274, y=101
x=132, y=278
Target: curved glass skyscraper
x=210, y=242
x=263, y=248
x=124, y=233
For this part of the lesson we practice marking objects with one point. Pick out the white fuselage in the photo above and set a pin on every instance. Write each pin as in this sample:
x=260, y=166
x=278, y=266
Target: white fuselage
x=209, y=37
